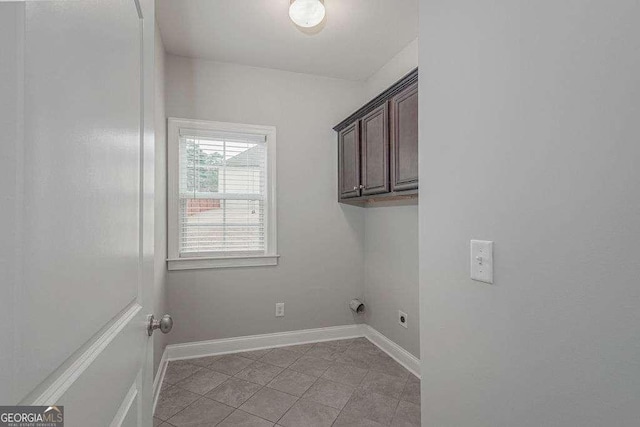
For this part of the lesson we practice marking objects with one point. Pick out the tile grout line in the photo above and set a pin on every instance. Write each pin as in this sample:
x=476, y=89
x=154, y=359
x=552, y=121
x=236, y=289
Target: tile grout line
x=298, y=398
x=266, y=386
x=299, y=355
x=234, y=376
x=354, y=390
x=317, y=379
x=345, y=405
x=395, y=410
x=201, y=395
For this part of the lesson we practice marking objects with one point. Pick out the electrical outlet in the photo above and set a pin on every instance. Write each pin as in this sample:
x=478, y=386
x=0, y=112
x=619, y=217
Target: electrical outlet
x=279, y=309
x=402, y=319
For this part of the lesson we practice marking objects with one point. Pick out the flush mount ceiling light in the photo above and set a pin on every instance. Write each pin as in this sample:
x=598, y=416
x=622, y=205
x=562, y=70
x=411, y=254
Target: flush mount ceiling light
x=306, y=13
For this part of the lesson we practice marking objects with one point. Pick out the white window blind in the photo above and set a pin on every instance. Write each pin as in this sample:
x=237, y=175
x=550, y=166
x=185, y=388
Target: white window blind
x=222, y=193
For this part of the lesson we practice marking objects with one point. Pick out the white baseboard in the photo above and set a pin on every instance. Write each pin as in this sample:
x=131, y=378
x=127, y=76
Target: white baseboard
x=399, y=354
x=197, y=349
x=157, y=381
x=258, y=342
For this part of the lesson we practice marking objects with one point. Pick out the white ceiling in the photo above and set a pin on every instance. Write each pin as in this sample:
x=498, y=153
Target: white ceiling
x=359, y=36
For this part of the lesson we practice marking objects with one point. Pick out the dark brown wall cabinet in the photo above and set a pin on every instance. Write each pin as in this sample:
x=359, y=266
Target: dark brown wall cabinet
x=404, y=139
x=374, y=139
x=349, y=155
x=378, y=147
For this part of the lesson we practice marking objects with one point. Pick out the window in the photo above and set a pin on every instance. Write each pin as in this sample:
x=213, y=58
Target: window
x=222, y=205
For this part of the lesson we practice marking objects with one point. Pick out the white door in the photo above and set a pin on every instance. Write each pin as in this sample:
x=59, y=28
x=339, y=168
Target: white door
x=76, y=209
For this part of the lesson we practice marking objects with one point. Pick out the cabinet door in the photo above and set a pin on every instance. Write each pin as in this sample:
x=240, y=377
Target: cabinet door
x=349, y=161
x=404, y=139
x=375, y=151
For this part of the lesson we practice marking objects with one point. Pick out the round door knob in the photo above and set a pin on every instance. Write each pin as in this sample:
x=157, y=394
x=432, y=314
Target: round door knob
x=164, y=324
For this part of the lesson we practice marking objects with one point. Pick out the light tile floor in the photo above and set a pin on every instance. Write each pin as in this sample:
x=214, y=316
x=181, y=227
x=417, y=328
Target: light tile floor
x=336, y=383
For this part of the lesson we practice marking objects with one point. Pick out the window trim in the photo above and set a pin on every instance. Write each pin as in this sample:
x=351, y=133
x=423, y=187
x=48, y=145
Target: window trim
x=174, y=260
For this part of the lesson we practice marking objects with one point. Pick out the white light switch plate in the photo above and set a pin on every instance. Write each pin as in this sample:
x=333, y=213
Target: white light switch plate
x=482, y=261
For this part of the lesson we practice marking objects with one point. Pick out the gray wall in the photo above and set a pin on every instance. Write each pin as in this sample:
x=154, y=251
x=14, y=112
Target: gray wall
x=529, y=137
x=319, y=240
x=11, y=57
x=391, y=273
x=402, y=63
x=391, y=240
x=160, y=224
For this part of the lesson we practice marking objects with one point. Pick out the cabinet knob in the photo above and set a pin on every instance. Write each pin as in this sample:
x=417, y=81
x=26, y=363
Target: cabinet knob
x=355, y=188
x=361, y=186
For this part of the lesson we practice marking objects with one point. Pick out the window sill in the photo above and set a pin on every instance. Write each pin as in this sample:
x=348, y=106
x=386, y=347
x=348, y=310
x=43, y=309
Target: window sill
x=221, y=262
